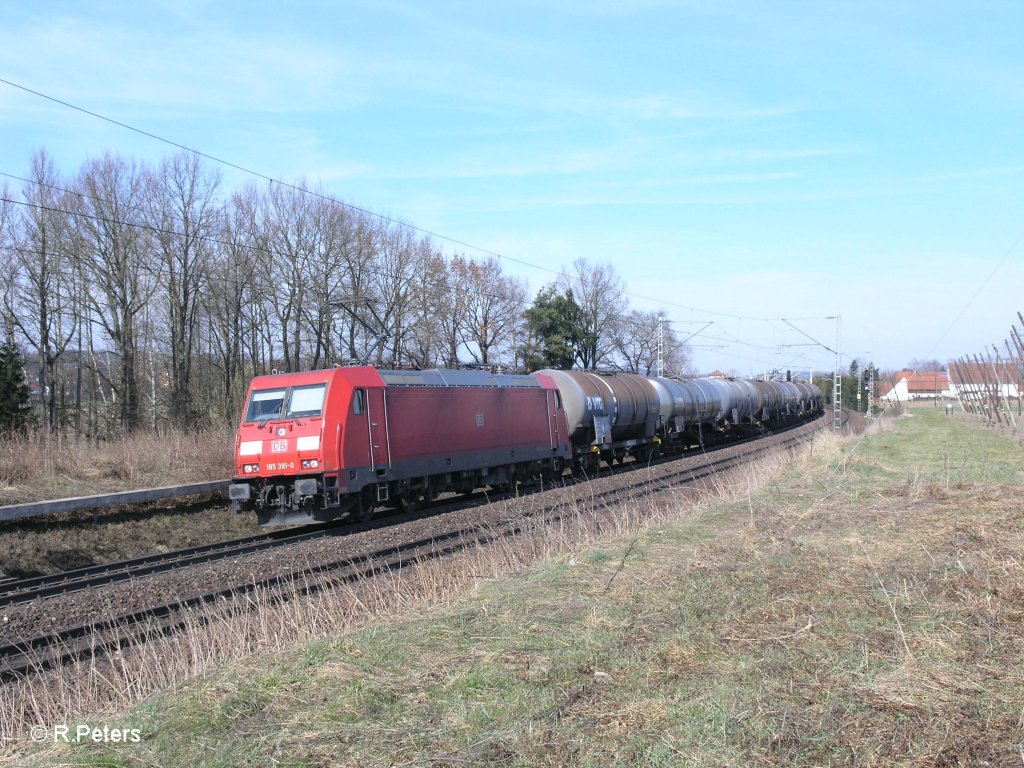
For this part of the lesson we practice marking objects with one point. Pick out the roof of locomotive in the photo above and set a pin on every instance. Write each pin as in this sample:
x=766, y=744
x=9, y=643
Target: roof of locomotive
x=437, y=377
x=362, y=376
x=359, y=376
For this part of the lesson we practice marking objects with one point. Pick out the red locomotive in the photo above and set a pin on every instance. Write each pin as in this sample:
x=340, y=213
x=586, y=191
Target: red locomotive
x=316, y=445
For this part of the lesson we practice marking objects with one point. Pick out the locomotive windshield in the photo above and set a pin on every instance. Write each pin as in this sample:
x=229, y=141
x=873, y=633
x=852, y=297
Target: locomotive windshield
x=302, y=402
x=306, y=401
x=265, y=404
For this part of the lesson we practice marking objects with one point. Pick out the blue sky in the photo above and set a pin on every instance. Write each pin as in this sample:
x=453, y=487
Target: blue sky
x=748, y=160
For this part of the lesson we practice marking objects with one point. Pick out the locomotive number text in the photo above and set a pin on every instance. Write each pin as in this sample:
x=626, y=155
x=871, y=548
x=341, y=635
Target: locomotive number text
x=281, y=466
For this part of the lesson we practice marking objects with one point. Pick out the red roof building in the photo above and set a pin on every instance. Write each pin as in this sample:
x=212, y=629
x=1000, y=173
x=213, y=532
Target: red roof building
x=907, y=385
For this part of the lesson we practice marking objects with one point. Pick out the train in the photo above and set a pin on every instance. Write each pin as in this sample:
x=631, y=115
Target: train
x=313, y=446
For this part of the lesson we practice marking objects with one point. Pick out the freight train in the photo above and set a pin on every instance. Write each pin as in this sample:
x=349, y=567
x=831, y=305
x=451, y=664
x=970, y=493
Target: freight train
x=318, y=445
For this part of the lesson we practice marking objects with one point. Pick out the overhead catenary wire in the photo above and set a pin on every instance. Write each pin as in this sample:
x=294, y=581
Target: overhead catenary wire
x=206, y=239
x=525, y=303
x=975, y=295
x=334, y=200
x=825, y=346
x=147, y=269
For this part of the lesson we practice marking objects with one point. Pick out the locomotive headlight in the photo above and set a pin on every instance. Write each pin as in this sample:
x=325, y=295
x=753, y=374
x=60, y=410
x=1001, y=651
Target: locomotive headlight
x=310, y=463
x=250, y=448
x=251, y=468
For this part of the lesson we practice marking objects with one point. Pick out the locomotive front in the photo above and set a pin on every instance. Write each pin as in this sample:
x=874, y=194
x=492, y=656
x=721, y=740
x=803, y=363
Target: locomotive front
x=280, y=451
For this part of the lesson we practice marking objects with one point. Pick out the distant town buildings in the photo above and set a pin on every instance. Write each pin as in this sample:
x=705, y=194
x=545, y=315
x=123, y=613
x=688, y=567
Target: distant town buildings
x=1001, y=380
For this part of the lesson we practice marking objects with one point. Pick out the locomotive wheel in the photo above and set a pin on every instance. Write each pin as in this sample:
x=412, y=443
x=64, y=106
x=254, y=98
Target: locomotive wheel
x=409, y=503
x=364, y=509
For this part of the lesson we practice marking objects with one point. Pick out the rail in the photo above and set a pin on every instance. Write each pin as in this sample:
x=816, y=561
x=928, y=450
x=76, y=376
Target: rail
x=99, y=501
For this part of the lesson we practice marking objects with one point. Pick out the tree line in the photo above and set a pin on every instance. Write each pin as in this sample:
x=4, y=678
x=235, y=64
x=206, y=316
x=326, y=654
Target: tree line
x=147, y=295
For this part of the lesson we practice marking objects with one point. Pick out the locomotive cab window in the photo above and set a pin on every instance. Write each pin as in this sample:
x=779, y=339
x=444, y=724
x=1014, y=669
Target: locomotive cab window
x=359, y=402
x=265, y=404
x=306, y=402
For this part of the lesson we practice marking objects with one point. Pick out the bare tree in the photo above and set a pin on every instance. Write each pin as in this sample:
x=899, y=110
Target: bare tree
x=292, y=240
x=249, y=250
x=43, y=280
x=392, y=281
x=184, y=212
x=676, y=356
x=116, y=263
x=9, y=250
x=231, y=293
x=601, y=296
x=356, y=245
x=926, y=365
x=494, y=305
x=444, y=297
x=148, y=272
x=635, y=339
x=327, y=272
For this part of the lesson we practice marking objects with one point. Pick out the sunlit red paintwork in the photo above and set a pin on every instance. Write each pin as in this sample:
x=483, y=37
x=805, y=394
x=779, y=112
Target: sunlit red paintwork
x=407, y=426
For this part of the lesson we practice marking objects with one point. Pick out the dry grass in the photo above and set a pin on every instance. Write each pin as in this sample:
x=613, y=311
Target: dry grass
x=64, y=542
x=41, y=467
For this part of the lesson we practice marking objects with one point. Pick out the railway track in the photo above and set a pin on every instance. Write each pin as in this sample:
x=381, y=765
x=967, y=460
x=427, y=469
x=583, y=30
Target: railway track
x=19, y=591
x=27, y=656
x=22, y=591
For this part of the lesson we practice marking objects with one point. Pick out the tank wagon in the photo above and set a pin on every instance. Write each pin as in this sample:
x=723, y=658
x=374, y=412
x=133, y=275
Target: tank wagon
x=317, y=445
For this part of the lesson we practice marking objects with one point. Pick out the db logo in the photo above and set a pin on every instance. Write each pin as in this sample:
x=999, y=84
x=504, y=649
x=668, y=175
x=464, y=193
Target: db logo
x=279, y=446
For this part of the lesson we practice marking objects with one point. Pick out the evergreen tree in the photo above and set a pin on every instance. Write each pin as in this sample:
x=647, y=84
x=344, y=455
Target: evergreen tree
x=554, y=322
x=15, y=406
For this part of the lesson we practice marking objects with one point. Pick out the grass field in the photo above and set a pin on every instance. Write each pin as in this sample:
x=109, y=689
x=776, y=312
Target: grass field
x=864, y=608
